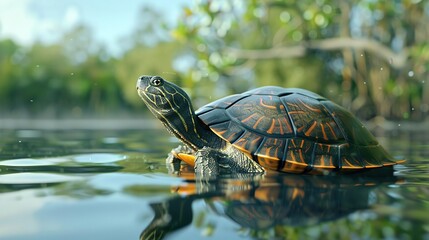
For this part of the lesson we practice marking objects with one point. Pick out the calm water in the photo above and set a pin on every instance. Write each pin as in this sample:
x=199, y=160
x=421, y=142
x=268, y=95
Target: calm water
x=105, y=184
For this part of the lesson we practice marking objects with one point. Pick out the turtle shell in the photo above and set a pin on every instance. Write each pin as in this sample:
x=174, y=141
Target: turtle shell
x=294, y=130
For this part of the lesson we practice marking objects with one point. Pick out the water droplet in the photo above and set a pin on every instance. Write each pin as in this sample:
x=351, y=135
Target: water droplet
x=71, y=74
x=19, y=141
x=361, y=55
x=399, y=125
x=412, y=109
x=423, y=81
x=364, y=83
x=31, y=100
x=411, y=74
x=390, y=61
x=381, y=69
x=37, y=66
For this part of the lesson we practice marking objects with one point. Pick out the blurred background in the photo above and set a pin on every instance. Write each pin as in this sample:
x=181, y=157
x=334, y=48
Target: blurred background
x=75, y=59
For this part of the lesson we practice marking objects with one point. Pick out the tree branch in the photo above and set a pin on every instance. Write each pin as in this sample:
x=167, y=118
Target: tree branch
x=396, y=60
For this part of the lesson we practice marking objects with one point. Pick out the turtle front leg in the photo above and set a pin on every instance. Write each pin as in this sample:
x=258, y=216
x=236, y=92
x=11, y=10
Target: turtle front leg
x=210, y=163
x=176, y=156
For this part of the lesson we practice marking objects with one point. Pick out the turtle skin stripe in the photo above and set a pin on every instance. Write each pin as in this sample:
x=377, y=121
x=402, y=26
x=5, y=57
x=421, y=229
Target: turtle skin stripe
x=294, y=130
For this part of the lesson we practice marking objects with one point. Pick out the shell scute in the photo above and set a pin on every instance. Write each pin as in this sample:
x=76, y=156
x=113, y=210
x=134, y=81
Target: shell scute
x=248, y=142
x=214, y=116
x=299, y=151
x=353, y=130
x=229, y=101
x=262, y=114
x=326, y=156
x=229, y=130
x=311, y=119
x=271, y=152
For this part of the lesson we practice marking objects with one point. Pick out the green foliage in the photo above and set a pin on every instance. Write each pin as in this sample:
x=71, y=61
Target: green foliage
x=47, y=80
x=75, y=77
x=242, y=44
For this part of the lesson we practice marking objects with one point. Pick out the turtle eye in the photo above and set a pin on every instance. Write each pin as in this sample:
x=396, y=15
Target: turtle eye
x=156, y=82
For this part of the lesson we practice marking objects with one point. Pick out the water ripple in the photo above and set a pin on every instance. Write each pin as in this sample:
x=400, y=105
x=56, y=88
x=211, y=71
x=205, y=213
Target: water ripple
x=26, y=162
x=81, y=163
x=35, y=178
x=98, y=158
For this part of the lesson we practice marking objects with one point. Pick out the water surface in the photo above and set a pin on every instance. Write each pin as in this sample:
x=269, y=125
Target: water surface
x=113, y=184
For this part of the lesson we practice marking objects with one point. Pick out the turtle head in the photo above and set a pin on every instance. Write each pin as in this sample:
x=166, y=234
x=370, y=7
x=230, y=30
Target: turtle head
x=172, y=106
x=163, y=98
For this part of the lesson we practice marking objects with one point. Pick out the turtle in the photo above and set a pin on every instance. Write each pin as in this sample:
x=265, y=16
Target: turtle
x=269, y=128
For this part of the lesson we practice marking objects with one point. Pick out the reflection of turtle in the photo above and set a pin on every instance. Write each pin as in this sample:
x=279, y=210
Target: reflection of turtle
x=169, y=216
x=281, y=200
x=288, y=130
x=295, y=201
